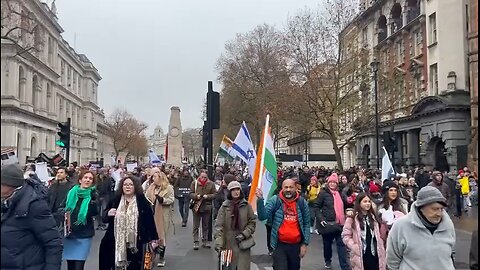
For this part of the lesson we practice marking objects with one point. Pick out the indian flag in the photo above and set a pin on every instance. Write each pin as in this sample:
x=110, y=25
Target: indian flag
x=265, y=176
x=226, y=149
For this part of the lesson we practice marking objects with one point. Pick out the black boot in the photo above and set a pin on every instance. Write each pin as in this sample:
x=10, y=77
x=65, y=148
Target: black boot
x=161, y=254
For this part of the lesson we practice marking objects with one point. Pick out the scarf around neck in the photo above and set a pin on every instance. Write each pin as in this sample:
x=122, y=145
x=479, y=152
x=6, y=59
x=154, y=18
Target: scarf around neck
x=338, y=207
x=430, y=226
x=236, y=215
x=72, y=198
x=125, y=230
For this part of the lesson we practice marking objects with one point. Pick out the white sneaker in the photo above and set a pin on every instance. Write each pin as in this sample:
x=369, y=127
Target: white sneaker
x=161, y=263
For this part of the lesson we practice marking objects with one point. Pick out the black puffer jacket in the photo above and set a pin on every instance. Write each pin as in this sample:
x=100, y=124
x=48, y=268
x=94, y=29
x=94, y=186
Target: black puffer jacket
x=30, y=239
x=324, y=206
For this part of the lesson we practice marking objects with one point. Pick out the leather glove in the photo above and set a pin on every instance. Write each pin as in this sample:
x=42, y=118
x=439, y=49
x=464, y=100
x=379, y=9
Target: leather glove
x=159, y=198
x=240, y=237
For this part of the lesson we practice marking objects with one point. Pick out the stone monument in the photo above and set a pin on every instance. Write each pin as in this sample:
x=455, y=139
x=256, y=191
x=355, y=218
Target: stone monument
x=174, y=143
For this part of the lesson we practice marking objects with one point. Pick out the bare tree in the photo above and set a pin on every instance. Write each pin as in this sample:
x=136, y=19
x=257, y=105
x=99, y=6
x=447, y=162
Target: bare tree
x=192, y=143
x=330, y=72
x=253, y=74
x=124, y=130
x=138, y=147
x=20, y=28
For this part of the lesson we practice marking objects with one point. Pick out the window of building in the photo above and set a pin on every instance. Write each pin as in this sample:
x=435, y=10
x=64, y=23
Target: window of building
x=400, y=51
x=50, y=51
x=404, y=145
x=417, y=46
x=432, y=22
x=434, y=79
x=365, y=37
x=69, y=76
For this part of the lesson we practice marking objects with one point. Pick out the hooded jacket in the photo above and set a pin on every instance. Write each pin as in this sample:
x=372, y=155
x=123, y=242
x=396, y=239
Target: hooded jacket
x=26, y=216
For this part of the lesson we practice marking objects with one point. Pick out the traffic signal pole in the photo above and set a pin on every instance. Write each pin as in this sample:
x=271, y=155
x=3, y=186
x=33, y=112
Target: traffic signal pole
x=67, y=149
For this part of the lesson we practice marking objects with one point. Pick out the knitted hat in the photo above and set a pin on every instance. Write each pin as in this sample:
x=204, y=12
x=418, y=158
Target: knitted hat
x=428, y=195
x=228, y=178
x=12, y=175
x=388, y=185
x=233, y=185
x=333, y=178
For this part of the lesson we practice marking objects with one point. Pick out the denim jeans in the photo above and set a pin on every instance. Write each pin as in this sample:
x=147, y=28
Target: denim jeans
x=341, y=249
x=183, y=207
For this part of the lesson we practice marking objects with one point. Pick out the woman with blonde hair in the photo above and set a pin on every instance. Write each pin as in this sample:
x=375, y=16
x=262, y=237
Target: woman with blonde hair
x=161, y=195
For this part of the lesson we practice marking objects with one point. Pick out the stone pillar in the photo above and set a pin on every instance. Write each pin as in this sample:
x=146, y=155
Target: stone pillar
x=413, y=148
x=174, y=138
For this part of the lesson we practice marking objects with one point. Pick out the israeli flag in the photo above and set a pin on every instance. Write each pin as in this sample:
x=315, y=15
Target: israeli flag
x=243, y=148
x=153, y=157
x=387, y=167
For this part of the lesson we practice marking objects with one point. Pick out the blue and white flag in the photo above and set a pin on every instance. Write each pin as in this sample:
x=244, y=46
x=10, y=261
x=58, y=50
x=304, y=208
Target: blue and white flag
x=243, y=147
x=153, y=157
x=387, y=167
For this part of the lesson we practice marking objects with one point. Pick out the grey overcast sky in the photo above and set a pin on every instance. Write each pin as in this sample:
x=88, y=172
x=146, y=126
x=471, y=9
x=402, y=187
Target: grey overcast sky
x=155, y=54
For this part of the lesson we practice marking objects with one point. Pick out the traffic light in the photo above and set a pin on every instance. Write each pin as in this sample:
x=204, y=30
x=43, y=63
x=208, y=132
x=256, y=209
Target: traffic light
x=64, y=134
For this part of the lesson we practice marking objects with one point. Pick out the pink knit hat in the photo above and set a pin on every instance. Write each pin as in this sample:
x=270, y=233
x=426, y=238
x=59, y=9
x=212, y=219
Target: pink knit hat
x=333, y=178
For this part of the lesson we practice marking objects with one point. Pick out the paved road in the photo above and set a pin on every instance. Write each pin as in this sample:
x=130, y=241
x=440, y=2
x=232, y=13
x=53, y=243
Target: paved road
x=180, y=255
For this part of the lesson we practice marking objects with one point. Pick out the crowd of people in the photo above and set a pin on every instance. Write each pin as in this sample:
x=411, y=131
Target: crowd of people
x=371, y=220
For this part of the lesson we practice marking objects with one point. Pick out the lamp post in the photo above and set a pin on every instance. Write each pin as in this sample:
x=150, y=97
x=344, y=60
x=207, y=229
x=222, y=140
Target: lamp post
x=374, y=65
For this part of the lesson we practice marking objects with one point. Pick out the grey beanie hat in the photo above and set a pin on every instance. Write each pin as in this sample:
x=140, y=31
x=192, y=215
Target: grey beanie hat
x=428, y=195
x=233, y=185
x=12, y=175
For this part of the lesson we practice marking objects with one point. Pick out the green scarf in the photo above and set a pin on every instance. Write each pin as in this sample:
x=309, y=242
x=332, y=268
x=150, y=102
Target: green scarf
x=72, y=198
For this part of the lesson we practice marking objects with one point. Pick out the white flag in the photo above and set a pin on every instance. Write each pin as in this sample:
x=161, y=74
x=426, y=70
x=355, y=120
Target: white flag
x=243, y=147
x=387, y=167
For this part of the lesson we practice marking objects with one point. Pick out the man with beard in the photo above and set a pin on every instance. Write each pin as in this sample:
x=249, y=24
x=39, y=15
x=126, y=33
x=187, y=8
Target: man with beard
x=290, y=218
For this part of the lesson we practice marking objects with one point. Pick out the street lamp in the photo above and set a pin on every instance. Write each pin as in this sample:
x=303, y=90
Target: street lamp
x=374, y=65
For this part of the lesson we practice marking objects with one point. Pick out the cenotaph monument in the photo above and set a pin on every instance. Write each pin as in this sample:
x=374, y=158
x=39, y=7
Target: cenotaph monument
x=174, y=139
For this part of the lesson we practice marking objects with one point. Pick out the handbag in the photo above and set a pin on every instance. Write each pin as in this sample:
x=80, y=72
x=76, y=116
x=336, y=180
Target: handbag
x=147, y=257
x=247, y=243
x=194, y=204
x=330, y=228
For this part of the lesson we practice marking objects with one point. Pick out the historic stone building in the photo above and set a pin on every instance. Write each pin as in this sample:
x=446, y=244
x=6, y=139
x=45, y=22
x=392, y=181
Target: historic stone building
x=412, y=40
x=473, y=66
x=45, y=81
x=157, y=142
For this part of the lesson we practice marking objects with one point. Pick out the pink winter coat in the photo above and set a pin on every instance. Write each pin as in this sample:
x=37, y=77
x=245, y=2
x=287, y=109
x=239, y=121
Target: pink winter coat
x=352, y=238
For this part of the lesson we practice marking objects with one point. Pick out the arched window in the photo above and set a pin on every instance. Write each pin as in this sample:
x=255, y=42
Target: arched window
x=35, y=87
x=413, y=9
x=397, y=20
x=382, y=28
x=33, y=147
x=21, y=83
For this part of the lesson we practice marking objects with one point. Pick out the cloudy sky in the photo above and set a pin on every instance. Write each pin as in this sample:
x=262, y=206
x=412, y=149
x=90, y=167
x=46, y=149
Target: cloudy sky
x=156, y=54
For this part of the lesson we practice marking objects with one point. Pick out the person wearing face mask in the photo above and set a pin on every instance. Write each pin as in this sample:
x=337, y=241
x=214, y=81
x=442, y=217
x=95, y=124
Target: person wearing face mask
x=80, y=209
x=235, y=226
x=130, y=228
x=290, y=218
x=331, y=207
x=427, y=225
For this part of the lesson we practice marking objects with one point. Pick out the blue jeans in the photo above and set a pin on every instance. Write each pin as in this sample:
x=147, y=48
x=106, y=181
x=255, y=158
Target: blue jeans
x=341, y=249
x=183, y=207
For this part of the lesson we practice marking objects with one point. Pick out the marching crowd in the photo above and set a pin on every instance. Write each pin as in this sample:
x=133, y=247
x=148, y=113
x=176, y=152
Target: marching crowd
x=374, y=224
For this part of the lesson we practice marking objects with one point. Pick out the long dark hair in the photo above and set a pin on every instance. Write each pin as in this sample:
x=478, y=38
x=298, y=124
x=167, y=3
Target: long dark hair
x=137, y=185
x=396, y=204
x=372, y=217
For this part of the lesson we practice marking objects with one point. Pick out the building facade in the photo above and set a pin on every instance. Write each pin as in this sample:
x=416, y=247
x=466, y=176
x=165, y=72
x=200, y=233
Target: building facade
x=44, y=82
x=157, y=142
x=473, y=66
x=421, y=48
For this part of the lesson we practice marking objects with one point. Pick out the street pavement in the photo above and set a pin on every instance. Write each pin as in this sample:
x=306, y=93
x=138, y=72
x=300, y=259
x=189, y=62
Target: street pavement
x=180, y=255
